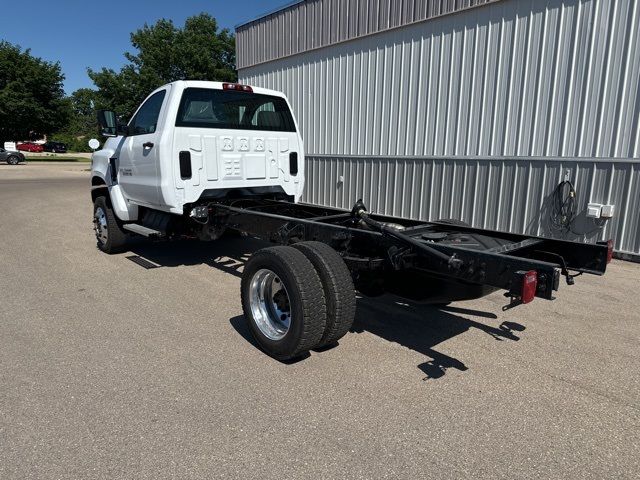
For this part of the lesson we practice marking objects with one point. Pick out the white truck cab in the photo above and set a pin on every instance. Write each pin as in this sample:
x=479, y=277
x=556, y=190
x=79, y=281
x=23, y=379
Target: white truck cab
x=192, y=141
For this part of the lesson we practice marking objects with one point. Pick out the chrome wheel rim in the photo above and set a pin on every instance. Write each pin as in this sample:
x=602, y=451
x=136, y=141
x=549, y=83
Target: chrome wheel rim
x=270, y=305
x=100, y=225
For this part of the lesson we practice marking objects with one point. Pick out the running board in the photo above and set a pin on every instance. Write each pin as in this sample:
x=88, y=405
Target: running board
x=142, y=230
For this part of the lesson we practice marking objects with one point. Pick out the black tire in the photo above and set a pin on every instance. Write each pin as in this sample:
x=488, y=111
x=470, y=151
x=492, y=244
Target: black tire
x=13, y=160
x=339, y=291
x=116, y=237
x=305, y=301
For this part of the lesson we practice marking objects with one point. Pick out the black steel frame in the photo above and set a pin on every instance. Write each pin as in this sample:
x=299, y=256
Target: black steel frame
x=373, y=243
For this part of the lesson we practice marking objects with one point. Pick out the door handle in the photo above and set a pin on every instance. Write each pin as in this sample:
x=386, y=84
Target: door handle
x=147, y=145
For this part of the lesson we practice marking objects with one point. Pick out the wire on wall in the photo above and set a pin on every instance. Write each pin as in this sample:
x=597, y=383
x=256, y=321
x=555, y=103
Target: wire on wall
x=564, y=210
x=564, y=207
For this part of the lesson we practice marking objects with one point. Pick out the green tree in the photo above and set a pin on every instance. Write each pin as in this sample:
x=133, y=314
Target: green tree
x=32, y=102
x=82, y=124
x=165, y=53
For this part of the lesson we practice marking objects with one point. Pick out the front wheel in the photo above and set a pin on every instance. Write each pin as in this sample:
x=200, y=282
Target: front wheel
x=109, y=235
x=283, y=302
x=13, y=160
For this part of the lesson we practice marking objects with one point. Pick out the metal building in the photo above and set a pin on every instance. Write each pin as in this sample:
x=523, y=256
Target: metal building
x=468, y=109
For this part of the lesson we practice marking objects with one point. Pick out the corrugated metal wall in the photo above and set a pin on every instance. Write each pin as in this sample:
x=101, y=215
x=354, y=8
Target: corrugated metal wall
x=499, y=194
x=555, y=79
x=501, y=80
x=310, y=24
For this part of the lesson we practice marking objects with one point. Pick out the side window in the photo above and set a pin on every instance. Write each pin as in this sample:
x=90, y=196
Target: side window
x=146, y=119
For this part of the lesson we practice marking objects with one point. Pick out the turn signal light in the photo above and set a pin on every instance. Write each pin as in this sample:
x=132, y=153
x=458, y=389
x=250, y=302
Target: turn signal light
x=529, y=286
x=237, y=87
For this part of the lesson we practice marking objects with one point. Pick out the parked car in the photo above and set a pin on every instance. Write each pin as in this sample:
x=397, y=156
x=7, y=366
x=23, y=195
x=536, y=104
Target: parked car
x=55, y=147
x=30, y=147
x=12, y=158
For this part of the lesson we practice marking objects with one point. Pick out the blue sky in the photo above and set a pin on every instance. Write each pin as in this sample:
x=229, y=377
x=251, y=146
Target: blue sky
x=95, y=33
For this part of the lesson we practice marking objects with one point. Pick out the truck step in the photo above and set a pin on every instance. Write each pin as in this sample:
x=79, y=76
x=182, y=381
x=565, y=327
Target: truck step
x=142, y=230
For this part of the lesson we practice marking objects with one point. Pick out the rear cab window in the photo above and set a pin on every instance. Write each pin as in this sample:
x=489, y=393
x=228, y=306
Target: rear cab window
x=229, y=109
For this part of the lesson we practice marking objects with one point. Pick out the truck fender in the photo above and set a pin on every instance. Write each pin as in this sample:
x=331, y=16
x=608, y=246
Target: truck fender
x=124, y=210
x=101, y=179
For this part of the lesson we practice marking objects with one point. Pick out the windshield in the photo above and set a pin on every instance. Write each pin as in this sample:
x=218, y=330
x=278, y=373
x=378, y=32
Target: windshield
x=209, y=108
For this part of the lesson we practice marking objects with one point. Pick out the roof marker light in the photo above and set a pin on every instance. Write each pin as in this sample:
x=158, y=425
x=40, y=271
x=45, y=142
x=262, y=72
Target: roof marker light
x=237, y=87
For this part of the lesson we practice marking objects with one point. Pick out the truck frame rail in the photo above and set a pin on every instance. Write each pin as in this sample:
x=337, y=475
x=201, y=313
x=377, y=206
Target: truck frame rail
x=407, y=251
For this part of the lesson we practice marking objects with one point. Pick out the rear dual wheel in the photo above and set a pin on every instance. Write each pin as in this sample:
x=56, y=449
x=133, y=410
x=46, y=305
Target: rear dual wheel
x=297, y=298
x=282, y=300
x=338, y=289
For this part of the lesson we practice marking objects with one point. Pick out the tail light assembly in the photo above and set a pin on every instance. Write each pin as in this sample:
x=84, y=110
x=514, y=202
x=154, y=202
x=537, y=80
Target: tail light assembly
x=529, y=284
x=523, y=288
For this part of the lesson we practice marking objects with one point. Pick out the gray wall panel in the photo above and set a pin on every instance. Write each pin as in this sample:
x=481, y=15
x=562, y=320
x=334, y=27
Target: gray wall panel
x=475, y=115
x=501, y=194
x=513, y=78
x=312, y=24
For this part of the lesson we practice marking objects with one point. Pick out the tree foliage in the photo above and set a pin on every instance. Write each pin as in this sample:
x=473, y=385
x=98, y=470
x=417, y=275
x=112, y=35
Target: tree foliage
x=165, y=53
x=82, y=124
x=32, y=102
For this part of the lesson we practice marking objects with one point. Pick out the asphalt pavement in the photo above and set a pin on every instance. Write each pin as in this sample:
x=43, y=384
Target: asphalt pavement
x=112, y=370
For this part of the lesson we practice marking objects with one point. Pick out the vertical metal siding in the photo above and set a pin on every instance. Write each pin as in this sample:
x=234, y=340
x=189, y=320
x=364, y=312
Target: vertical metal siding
x=313, y=24
x=502, y=194
x=476, y=115
x=513, y=78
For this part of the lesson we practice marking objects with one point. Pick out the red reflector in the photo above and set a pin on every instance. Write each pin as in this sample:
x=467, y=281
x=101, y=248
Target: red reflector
x=237, y=87
x=609, y=250
x=529, y=285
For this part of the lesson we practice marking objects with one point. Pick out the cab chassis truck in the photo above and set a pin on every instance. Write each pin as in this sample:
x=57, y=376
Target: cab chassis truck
x=201, y=159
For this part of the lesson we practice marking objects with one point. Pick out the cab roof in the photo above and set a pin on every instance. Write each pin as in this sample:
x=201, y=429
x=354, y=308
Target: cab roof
x=182, y=84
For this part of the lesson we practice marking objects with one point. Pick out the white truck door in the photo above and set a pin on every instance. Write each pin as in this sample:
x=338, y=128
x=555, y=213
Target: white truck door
x=138, y=159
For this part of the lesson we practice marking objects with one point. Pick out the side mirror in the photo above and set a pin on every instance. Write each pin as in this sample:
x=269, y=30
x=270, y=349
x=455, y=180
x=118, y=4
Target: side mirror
x=109, y=125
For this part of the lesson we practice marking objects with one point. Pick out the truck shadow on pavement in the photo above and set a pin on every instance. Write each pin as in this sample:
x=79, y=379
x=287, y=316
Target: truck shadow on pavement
x=418, y=327
x=422, y=327
x=228, y=254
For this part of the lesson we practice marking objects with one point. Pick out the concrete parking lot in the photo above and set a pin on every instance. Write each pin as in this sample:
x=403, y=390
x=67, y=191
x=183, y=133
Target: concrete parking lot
x=112, y=370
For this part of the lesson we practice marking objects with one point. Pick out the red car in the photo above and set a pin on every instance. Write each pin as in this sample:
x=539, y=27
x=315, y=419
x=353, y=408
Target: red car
x=29, y=147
